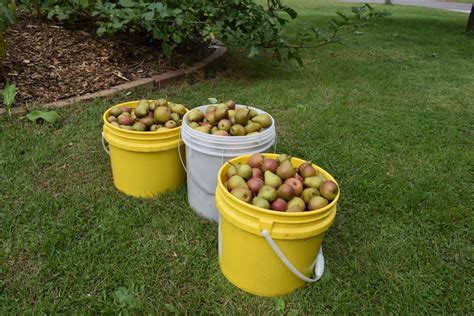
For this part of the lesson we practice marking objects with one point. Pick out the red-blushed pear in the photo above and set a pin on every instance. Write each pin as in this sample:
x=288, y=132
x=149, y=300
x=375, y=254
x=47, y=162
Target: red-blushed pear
x=296, y=184
x=279, y=205
x=272, y=179
x=230, y=105
x=316, y=203
x=313, y=182
x=286, y=192
x=269, y=164
x=286, y=170
x=261, y=202
x=328, y=190
x=297, y=203
x=126, y=109
x=255, y=161
x=235, y=182
x=242, y=194
x=257, y=173
x=125, y=120
x=308, y=194
x=307, y=170
x=255, y=184
x=221, y=133
x=268, y=193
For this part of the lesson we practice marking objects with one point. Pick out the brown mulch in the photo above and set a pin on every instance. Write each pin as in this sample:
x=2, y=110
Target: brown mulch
x=49, y=61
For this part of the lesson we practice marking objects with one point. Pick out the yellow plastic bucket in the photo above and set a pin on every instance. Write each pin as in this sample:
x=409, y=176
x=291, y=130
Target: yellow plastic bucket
x=265, y=252
x=143, y=163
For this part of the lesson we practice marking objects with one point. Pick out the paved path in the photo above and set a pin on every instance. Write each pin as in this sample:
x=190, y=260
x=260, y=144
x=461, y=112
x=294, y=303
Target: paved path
x=452, y=6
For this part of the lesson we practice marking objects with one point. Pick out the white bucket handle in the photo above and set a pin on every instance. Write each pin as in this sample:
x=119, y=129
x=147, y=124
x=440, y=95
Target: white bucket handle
x=318, y=261
x=187, y=172
x=103, y=144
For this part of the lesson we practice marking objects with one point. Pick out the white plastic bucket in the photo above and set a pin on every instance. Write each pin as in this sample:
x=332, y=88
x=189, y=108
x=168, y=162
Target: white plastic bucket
x=206, y=153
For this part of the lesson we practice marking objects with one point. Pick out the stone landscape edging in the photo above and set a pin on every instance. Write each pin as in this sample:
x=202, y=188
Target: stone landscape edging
x=158, y=81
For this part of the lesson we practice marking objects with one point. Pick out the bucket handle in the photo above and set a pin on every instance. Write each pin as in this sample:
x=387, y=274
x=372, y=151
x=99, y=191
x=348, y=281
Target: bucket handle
x=103, y=144
x=318, y=261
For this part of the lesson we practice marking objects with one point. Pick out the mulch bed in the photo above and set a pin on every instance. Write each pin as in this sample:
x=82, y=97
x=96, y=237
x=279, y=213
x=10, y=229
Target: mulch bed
x=50, y=61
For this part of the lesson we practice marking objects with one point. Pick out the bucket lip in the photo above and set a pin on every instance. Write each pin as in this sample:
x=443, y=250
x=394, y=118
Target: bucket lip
x=212, y=137
x=270, y=212
x=133, y=104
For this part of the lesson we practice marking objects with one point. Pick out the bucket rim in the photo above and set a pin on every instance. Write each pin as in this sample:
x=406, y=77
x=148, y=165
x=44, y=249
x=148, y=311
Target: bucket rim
x=212, y=137
x=220, y=186
x=134, y=104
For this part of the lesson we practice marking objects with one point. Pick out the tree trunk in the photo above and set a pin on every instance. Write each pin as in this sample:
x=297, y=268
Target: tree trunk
x=470, y=23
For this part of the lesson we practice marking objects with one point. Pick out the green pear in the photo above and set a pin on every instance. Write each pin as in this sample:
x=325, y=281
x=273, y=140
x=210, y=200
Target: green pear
x=237, y=130
x=171, y=124
x=214, y=129
x=111, y=119
x=313, y=182
x=309, y=193
x=298, y=203
x=268, y=193
x=194, y=124
x=235, y=182
x=221, y=113
x=142, y=108
x=178, y=109
x=282, y=158
x=162, y=129
x=272, y=179
x=242, y=116
x=195, y=115
x=127, y=127
x=139, y=126
x=286, y=170
x=244, y=171
x=252, y=127
x=152, y=105
x=231, y=113
x=242, y=194
x=175, y=117
x=317, y=202
x=261, y=202
x=154, y=127
x=231, y=171
x=252, y=114
x=116, y=111
x=116, y=124
x=263, y=119
x=162, y=114
x=162, y=102
x=204, y=129
x=224, y=125
x=148, y=121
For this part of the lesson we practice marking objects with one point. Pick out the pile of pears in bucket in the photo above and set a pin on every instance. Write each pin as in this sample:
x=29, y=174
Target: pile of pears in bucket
x=149, y=115
x=225, y=119
x=275, y=184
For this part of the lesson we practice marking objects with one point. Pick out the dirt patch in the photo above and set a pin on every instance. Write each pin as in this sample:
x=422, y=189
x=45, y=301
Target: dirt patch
x=50, y=61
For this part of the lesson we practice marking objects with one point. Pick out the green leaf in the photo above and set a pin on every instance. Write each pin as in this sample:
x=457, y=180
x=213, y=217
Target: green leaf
x=127, y=3
x=212, y=100
x=49, y=116
x=9, y=94
x=176, y=38
x=292, y=13
x=148, y=16
x=166, y=49
x=253, y=51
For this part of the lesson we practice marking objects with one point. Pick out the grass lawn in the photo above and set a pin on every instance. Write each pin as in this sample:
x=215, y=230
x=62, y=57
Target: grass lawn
x=390, y=115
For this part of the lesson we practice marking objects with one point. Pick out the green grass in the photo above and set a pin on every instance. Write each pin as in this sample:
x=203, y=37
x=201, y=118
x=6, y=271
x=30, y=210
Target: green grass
x=390, y=115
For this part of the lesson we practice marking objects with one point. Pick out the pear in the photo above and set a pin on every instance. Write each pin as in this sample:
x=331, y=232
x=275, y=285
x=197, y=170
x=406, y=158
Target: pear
x=195, y=115
x=255, y=161
x=268, y=193
x=308, y=194
x=125, y=114
x=111, y=119
x=253, y=133
x=211, y=108
x=116, y=124
x=194, y=124
x=162, y=102
x=282, y=158
x=204, y=129
x=286, y=192
x=116, y=111
x=126, y=109
x=279, y=205
x=221, y=133
x=297, y=203
x=125, y=120
x=214, y=129
x=162, y=129
x=178, y=109
x=232, y=120
x=171, y=124
x=148, y=121
x=252, y=114
x=306, y=170
x=257, y=173
x=142, y=108
x=313, y=182
x=127, y=127
x=317, y=202
x=139, y=126
x=235, y=182
x=162, y=114
x=272, y=179
x=231, y=171
x=244, y=171
x=237, y=130
x=221, y=113
x=154, y=127
x=231, y=113
x=255, y=184
x=263, y=119
x=328, y=190
x=211, y=118
x=252, y=127
x=175, y=117
x=286, y=170
x=242, y=116
x=296, y=184
x=224, y=125
x=242, y=194
x=269, y=164
x=152, y=105
x=261, y=202
x=230, y=104
x=133, y=115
